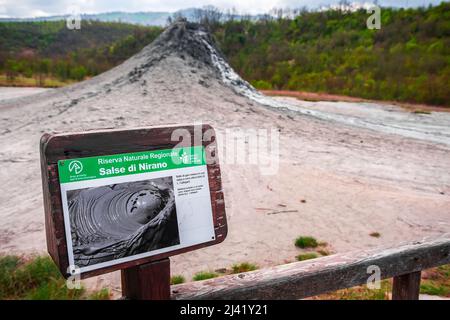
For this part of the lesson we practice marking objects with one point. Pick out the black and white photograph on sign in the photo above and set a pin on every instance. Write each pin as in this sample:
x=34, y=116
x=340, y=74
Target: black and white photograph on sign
x=122, y=220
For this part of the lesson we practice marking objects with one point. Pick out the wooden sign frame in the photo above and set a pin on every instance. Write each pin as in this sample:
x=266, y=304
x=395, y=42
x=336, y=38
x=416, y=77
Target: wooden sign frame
x=55, y=147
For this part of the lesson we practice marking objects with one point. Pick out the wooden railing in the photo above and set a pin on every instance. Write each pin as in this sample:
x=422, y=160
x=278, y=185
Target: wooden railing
x=308, y=278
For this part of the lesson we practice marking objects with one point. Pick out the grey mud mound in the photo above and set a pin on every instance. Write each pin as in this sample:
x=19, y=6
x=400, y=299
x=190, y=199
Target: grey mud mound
x=360, y=168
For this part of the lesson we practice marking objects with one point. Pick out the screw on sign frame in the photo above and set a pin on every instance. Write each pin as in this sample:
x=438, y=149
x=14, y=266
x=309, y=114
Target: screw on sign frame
x=67, y=157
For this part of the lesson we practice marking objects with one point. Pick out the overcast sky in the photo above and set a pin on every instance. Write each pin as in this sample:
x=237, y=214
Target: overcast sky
x=34, y=8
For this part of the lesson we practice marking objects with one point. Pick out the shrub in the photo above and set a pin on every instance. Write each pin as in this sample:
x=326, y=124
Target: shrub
x=306, y=242
x=103, y=294
x=177, y=279
x=262, y=85
x=203, y=275
x=244, y=267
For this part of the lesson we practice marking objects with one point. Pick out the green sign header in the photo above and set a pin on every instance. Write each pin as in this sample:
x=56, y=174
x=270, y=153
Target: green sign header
x=74, y=170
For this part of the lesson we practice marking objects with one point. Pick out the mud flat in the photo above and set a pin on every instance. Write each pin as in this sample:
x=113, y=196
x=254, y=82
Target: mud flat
x=17, y=92
x=342, y=175
x=318, y=97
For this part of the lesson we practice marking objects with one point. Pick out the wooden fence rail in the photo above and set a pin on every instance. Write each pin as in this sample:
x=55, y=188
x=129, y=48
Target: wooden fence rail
x=312, y=277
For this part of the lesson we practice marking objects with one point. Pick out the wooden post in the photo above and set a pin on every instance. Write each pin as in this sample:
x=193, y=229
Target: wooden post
x=406, y=287
x=150, y=281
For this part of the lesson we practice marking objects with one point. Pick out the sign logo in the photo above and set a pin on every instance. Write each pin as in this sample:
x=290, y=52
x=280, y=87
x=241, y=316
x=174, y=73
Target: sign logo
x=185, y=158
x=75, y=166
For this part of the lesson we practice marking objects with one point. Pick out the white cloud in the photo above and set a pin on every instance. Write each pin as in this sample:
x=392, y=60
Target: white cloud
x=38, y=13
x=2, y=7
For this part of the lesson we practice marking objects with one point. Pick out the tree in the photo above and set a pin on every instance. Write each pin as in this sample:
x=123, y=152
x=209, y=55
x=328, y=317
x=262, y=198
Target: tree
x=43, y=68
x=78, y=73
x=208, y=16
x=12, y=70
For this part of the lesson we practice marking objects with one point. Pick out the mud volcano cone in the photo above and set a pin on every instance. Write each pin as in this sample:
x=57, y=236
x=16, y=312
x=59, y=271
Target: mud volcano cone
x=193, y=44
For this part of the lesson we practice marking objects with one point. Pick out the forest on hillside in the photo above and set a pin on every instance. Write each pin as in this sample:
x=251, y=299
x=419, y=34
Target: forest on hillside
x=46, y=49
x=408, y=59
x=331, y=51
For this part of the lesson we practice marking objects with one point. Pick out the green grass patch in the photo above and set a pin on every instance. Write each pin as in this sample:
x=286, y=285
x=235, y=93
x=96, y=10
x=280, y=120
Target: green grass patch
x=21, y=81
x=306, y=242
x=37, y=279
x=434, y=289
x=204, y=275
x=360, y=293
x=307, y=256
x=243, y=267
x=177, y=279
x=102, y=294
x=436, y=281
